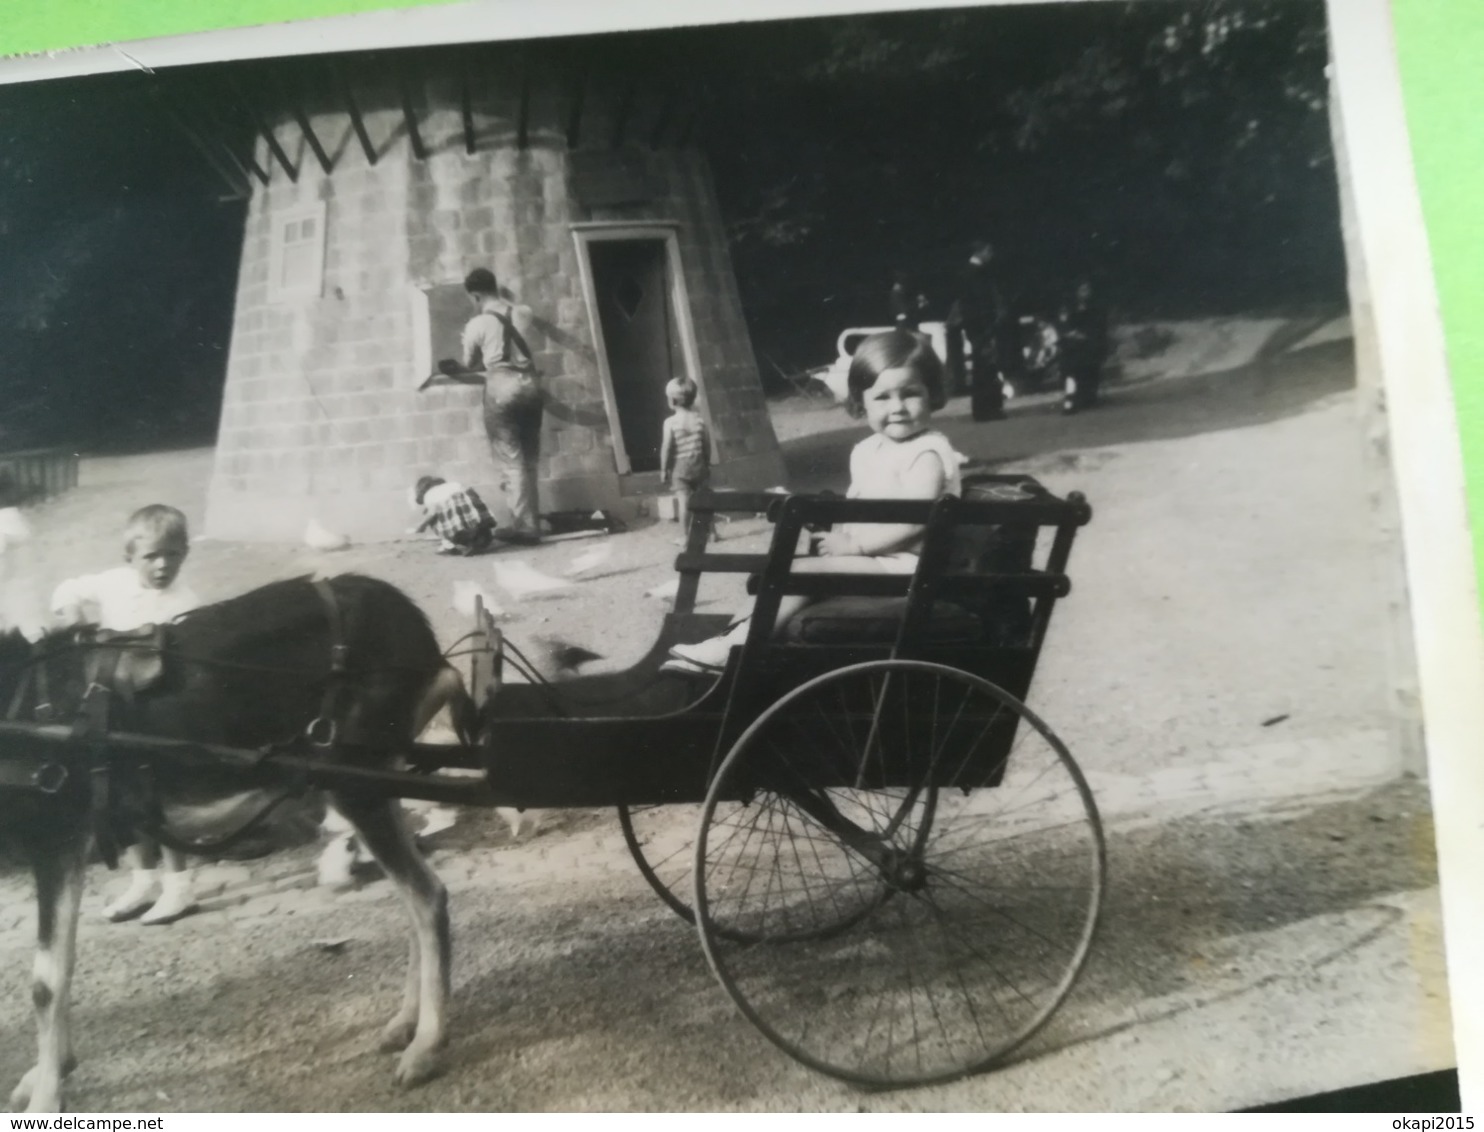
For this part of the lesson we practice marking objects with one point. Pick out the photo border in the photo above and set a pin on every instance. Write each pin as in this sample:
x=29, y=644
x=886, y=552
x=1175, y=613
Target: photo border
x=1392, y=279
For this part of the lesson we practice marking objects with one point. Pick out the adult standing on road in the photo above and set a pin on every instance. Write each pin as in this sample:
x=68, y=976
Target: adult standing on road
x=513, y=400
x=980, y=313
x=1084, y=346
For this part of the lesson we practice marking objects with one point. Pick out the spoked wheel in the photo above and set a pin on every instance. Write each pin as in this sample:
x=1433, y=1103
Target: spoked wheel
x=945, y=841
x=662, y=841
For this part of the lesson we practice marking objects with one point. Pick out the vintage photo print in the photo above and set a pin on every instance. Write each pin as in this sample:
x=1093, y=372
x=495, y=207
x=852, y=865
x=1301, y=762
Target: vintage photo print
x=592, y=502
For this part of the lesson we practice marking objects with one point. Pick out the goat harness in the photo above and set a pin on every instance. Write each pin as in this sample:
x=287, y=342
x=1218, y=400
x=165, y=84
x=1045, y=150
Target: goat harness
x=117, y=666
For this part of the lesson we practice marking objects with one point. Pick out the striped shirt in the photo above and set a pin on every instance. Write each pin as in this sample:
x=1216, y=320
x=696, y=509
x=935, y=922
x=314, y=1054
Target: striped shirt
x=685, y=448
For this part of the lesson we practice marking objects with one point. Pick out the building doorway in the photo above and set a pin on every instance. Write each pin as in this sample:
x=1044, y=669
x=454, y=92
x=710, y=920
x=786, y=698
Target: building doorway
x=631, y=283
x=637, y=301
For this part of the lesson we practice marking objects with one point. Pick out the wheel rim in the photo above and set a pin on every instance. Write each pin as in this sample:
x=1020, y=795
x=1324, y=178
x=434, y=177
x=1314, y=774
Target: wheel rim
x=938, y=927
x=661, y=839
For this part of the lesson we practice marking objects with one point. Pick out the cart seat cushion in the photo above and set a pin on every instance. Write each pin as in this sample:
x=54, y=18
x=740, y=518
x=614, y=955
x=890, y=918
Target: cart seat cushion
x=877, y=620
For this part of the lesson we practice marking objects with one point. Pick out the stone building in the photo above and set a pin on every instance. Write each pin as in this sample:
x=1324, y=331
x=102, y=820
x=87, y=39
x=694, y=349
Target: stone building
x=374, y=189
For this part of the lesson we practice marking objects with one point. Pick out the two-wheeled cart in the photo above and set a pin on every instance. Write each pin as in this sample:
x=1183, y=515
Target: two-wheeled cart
x=894, y=866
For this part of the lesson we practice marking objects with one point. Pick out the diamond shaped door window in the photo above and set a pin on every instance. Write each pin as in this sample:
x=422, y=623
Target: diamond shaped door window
x=628, y=294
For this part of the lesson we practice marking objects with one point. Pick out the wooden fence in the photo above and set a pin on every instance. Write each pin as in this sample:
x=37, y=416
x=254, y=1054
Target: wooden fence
x=39, y=472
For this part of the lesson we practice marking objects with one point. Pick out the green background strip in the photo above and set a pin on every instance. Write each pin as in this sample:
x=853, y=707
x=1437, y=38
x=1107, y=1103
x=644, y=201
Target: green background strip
x=1440, y=44
x=50, y=25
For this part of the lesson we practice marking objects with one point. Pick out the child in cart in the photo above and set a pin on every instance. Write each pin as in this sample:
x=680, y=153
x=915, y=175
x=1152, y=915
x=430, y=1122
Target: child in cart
x=456, y=514
x=146, y=590
x=895, y=382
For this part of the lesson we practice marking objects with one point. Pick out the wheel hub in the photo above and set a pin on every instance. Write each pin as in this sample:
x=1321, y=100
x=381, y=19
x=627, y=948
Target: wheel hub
x=903, y=871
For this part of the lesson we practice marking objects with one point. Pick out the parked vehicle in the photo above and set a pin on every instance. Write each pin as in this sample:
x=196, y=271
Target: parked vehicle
x=1040, y=356
x=835, y=373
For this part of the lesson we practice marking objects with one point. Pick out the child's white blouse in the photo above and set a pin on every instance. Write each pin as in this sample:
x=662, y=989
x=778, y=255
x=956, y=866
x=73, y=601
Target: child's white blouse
x=879, y=465
x=878, y=470
x=116, y=599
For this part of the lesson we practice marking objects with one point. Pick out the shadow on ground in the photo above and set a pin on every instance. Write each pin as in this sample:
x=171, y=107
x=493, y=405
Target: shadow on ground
x=1266, y=391
x=605, y=1001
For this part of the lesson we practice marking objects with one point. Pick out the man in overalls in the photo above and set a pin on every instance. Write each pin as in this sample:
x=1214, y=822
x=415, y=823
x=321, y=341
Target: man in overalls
x=513, y=401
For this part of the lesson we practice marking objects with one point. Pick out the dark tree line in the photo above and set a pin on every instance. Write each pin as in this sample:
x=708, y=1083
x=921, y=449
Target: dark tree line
x=1177, y=152
x=118, y=269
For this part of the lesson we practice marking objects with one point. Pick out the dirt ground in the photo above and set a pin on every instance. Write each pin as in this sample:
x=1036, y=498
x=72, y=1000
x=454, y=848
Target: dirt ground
x=1229, y=579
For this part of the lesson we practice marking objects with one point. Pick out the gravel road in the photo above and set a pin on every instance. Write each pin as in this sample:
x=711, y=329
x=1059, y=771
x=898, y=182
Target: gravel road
x=1271, y=923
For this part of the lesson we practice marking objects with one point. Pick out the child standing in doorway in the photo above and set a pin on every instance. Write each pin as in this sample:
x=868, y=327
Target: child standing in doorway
x=895, y=382
x=146, y=590
x=685, y=451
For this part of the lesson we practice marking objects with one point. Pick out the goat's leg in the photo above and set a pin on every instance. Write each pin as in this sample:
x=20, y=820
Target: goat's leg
x=58, y=867
x=381, y=828
x=397, y=1034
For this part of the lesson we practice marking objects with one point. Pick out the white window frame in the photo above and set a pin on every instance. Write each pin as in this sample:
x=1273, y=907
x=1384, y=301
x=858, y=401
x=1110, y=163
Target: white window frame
x=312, y=286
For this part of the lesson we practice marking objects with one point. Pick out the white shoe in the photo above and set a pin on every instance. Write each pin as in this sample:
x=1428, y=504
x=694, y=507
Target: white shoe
x=519, y=822
x=711, y=654
x=437, y=819
x=135, y=899
x=675, y=666
x=177, y=899
x=336, y=864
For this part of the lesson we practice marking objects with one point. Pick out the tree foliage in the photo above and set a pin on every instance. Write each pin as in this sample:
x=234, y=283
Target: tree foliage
x=1178, y=151
x=117, y=270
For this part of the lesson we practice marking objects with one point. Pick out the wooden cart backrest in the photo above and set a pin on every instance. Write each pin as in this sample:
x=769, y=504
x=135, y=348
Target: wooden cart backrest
x=979, y=553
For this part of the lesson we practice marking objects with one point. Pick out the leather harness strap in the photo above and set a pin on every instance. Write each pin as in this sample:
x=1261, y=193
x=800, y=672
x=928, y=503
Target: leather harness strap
x=23, y=685
x=35, y=674
x=322, y=730
x=338, y=649
x=89, y=730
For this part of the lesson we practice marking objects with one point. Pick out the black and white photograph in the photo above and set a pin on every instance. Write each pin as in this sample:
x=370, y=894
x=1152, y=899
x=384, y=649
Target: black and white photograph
x=847, y=562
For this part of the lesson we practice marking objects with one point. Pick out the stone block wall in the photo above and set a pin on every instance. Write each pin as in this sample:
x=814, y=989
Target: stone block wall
x=321, y=417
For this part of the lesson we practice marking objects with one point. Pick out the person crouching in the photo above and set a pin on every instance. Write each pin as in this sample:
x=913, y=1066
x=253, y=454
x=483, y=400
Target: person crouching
x=454, y=513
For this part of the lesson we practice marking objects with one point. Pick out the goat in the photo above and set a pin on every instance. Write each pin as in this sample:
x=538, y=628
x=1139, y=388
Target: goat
x=246, y=673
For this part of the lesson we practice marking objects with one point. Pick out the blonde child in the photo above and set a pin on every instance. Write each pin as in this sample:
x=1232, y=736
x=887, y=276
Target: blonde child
x=685, y=450
x=146, y=590
x=895, y=382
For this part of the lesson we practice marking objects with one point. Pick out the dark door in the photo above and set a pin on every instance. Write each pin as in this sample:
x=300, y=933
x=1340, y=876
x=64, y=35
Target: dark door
x=631, y=279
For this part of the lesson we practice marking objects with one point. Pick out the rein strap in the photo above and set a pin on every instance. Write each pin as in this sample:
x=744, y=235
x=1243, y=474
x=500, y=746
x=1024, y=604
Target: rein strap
x=322, y=730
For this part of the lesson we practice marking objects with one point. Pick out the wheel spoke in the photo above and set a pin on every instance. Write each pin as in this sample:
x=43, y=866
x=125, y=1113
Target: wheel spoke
x=870, y=916
x=958, y=932
x=963, y=890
